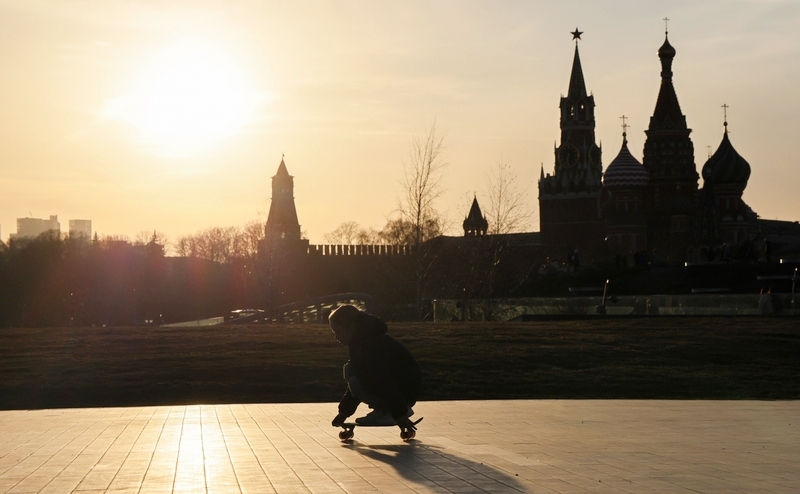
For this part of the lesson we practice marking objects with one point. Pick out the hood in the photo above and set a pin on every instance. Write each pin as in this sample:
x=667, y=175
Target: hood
x=369, y=325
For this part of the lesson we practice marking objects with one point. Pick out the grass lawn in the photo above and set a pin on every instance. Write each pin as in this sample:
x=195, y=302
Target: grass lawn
x=657, y=357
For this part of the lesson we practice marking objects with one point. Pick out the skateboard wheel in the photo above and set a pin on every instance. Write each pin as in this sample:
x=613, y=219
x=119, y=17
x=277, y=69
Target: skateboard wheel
x=346, y=435
x=407, y=435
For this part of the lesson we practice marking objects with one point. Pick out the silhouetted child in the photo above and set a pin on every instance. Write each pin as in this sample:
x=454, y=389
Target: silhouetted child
x=381, y=371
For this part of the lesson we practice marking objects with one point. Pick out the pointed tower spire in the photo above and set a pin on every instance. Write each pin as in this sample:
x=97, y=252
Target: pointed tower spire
x=282, y=171
x=667, y=115
x=578, y=150
x=475, y=223
x=282, y=220
x=577, y=86
x=668, y=128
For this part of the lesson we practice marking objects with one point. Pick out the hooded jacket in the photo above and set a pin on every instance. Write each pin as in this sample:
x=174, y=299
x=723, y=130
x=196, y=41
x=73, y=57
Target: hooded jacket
x=383, y=366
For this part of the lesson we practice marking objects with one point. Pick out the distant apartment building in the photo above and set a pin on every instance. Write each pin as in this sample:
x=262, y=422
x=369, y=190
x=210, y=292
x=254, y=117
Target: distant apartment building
x=80, y=228
x=33, y=227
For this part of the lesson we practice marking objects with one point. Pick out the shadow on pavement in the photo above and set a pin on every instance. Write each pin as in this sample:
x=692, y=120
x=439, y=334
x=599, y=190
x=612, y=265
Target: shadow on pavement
x=431, y=467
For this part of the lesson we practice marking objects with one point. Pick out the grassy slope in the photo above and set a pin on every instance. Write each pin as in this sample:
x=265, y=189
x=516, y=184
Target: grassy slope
x=725, y=358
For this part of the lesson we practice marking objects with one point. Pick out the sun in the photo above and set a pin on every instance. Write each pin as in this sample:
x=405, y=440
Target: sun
x=189, y=96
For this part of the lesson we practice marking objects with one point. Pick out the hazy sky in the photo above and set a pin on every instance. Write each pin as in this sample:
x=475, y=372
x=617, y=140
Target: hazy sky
x=173, y=116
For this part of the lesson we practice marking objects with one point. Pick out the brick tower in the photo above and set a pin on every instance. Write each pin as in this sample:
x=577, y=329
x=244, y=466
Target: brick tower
x=282, y=220
x=568, y=208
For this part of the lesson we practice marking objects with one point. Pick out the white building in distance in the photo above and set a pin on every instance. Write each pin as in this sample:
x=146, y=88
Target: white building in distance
x=80, y=228
x=33, y=227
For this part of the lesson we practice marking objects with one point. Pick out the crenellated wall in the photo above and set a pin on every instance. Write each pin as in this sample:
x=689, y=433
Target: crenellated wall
x=359, y=250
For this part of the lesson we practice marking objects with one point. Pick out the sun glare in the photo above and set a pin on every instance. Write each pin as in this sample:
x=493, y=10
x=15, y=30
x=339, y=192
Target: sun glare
x=188, y=97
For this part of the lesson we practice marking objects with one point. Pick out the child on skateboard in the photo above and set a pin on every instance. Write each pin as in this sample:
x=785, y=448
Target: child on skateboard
x=381, y=371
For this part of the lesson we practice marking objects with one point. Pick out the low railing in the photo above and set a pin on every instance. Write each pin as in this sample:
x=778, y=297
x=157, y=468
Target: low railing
x=663, y=305
x=313, y=310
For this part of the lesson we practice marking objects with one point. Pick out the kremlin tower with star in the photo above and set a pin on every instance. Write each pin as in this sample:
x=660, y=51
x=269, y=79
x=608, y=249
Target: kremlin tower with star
x=568, y=212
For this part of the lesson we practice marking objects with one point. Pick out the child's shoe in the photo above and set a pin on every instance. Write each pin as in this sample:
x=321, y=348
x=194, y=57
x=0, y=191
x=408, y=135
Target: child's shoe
x=376, y=417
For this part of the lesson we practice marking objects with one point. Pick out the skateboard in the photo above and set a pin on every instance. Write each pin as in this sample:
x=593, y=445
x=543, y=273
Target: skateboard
x=346, y=434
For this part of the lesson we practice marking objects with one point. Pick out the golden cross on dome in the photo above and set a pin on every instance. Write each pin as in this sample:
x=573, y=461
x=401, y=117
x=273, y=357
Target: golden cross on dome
x=624, y=125
x=725, y=116
x=666, y=25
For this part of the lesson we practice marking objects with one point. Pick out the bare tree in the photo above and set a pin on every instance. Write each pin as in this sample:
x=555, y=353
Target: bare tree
x=346, y=233
x=108, y=240
x=422, y=181
x=421, y=187
x=368, y=236
x=508, y=210
x=402, y=232
x=142, y=238
x=351, y=233
x=217, y=243
x=247, y=240
x=223, y=244
x=186, y=246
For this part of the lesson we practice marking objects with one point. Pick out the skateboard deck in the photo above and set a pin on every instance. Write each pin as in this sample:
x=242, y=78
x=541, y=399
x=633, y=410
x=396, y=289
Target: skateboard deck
x=347, y=432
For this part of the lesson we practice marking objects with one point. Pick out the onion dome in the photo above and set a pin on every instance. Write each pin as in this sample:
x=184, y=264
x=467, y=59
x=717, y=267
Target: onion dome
x=625, y=171
x=726, y=166
x=666, y=50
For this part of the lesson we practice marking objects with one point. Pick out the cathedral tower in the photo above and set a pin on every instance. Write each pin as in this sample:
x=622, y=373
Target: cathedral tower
x=669, y=160
x=568, y=209
x=724, y=215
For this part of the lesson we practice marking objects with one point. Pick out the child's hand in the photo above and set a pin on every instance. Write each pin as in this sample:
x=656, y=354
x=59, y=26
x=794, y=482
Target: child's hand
x=404, y=423
x=339, y=420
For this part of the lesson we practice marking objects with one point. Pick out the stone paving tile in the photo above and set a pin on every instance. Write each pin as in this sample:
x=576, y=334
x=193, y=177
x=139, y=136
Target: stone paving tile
x=469, y=446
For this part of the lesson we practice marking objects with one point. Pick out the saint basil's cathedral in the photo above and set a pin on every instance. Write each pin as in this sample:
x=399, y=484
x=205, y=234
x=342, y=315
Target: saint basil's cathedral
x=654, y=206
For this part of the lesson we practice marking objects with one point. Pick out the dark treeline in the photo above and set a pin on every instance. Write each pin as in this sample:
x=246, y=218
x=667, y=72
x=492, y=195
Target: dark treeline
x=75, y=281
x=55, y=281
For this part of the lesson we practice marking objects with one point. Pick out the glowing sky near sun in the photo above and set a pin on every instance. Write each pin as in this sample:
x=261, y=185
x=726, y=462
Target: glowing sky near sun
x=190, y=95
x=173, y=115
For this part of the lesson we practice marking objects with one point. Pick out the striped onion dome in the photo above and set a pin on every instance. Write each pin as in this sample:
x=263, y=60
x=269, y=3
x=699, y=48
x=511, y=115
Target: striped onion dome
x=726, y=166
x=625, y=171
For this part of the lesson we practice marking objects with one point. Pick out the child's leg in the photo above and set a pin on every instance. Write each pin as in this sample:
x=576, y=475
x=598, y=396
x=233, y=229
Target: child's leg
x=359, y=392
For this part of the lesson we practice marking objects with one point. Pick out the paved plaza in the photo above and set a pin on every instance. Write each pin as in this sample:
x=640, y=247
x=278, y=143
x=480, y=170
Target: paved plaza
x=462, y=446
